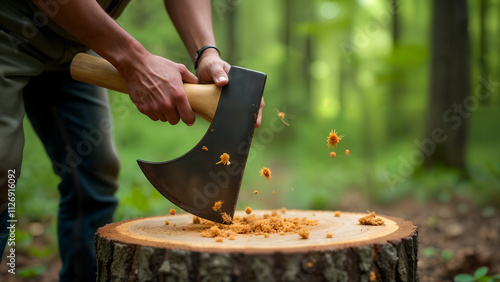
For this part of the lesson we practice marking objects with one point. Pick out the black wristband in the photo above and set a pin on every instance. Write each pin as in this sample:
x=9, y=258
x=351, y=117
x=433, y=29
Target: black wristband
x=199, y=52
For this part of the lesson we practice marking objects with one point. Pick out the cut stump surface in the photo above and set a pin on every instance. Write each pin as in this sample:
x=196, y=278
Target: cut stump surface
x=147, y=249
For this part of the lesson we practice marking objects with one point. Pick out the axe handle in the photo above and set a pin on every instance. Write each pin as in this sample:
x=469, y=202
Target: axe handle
x=203, y=98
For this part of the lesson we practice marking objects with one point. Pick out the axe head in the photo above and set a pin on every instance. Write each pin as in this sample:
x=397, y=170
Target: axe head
x=194, y=182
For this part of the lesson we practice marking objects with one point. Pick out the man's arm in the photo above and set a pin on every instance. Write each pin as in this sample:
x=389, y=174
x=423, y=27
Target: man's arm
x=193, y=21
x=154, y=83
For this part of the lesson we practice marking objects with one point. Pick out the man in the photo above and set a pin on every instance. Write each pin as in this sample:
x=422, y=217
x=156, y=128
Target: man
x=38, y=39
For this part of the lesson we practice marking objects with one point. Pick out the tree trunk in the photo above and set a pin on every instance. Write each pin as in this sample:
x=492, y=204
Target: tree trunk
x=483, y=42
x=148, y=250
x=450, y=86
x=396, y=89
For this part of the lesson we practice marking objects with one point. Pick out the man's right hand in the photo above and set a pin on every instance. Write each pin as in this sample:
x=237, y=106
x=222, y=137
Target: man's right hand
x=155, y=85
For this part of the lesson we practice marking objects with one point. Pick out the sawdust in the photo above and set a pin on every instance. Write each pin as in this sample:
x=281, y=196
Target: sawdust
x=204, y=148
x=329, y=235
x=172, y=212
x=217, y=205
x=231, y=237
x=266, y=172
x=255, y=225
x=226, y=217
x=274, y=192
x=333, y=139
x=213, y=231
x=196, y=220
x=219, y=239
x=371, y=219
x=255, y=192
x=224, y=159
x=373, y=277
x=333, y=154
x=248, y=210
x=347, y=151
x=304, y=233
x=281, y=115
x=336, y=213
x=283, y=210
x=166, y=222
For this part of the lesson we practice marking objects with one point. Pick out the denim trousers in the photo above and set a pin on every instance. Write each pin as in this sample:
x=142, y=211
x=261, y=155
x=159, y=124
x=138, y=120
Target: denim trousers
x=73, y=121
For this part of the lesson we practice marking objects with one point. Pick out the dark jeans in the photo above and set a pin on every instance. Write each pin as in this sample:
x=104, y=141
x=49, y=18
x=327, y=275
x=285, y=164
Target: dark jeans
x=73, y=121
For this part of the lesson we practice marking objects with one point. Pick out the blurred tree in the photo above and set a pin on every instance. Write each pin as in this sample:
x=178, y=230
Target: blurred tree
x=447, y=123
x=397, y=75
x=483, y=41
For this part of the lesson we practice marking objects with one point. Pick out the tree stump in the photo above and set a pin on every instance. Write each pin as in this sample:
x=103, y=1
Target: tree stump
x=146, y=249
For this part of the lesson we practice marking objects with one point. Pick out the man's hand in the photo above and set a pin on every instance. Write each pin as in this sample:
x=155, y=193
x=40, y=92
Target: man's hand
x=155, y=87
x=212, y=69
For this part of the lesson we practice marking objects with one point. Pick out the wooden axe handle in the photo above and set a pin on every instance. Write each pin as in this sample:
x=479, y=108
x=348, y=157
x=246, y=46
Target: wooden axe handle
x=203, y=98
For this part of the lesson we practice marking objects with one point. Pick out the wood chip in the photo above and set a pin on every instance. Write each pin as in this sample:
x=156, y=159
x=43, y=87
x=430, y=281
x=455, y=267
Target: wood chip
x=217, y=205
x=304, y=233
x=266, y=172
x=224, y=159
x=172, y=212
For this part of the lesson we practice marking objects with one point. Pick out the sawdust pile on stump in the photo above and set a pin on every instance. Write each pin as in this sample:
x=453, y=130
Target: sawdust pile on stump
x=255, y=225
x=371, y=219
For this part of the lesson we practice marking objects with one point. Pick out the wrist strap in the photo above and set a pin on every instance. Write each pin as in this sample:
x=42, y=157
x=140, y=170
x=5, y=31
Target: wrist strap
x=199, y=52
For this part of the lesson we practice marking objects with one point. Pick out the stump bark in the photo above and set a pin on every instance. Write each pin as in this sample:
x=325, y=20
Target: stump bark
x=146, y=249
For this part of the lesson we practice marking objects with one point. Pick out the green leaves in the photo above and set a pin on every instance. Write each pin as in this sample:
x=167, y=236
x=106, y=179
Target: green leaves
x=479, y=276
x=32, y=271
x=464, y=278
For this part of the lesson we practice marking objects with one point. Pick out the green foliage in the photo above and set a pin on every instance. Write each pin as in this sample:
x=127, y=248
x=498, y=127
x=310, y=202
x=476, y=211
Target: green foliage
x=32, y=271
x=444, y=255
x=480, y=275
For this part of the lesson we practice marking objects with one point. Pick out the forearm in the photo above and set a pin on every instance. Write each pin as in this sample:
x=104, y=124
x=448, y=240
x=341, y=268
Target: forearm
x=193, y=21
x=90, y=24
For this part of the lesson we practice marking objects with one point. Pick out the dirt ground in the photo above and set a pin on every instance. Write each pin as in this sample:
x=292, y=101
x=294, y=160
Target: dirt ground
x=456, y=237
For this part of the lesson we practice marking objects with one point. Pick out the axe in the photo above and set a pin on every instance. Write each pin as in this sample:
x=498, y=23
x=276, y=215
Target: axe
x=193, y=181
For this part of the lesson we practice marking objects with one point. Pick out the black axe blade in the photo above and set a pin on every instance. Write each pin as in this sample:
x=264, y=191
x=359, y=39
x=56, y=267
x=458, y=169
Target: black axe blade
x=193, y=181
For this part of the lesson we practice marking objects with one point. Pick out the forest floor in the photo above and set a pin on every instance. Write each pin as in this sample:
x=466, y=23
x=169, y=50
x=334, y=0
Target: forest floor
x=455, y=237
